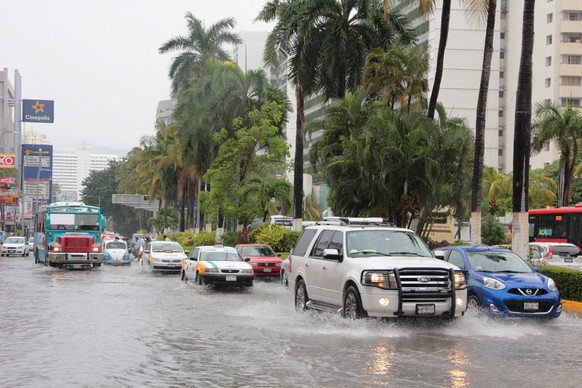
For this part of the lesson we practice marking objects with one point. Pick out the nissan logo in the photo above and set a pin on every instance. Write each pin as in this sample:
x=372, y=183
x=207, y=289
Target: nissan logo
x=424, y=279
x=528, y=291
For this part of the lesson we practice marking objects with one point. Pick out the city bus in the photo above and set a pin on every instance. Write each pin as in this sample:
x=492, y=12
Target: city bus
x=556, y=224
x=68, y=235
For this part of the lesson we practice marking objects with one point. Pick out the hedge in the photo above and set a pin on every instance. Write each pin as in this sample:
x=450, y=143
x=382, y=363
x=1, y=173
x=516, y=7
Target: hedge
x=568, y=281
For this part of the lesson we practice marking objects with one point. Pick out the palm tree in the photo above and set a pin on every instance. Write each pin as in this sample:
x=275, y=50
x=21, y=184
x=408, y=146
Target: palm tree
x=522, y=134
x=564, y=125
x=438, y=75
x=199, y=42
x=477, y=182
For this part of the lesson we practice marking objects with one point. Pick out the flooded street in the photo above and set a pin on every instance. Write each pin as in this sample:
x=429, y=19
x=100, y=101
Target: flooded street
x=124, y=326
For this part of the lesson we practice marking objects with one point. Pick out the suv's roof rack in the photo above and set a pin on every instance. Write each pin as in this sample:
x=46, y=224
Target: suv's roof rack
x=360, y=221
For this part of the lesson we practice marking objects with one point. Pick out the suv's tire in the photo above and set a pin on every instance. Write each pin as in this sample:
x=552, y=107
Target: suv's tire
x=473, y=303
x=301, y=297
x=353, y=304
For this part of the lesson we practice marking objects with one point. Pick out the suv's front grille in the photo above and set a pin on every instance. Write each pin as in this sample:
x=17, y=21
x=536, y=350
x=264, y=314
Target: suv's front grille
x=424, y=284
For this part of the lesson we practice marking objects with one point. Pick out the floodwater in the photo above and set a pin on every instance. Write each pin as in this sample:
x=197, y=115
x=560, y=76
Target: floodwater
x=127, y=327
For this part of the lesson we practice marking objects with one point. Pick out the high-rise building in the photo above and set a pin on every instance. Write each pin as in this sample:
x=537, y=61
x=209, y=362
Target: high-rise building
x=165, y=110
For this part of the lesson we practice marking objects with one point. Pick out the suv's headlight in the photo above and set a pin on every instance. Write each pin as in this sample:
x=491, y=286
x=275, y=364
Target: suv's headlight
x=493, y=283
x=552, y=284
x=460, y=280
x=382, y=279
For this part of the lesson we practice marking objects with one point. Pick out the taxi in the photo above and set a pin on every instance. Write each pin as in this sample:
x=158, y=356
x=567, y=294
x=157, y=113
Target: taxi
x=217, y=265
x=115, y=252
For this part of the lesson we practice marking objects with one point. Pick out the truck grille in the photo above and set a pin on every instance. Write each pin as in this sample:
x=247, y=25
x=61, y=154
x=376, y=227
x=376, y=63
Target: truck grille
x=425, y=284
x=76, y=242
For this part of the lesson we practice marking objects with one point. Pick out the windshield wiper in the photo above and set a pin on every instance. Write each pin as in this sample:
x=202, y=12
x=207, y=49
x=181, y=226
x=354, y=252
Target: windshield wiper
x=510, y=271
x=404, y=254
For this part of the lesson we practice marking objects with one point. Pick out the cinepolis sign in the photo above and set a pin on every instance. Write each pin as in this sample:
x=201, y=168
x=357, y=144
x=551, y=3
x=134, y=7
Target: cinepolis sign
x=38, y=111
x=7, y=160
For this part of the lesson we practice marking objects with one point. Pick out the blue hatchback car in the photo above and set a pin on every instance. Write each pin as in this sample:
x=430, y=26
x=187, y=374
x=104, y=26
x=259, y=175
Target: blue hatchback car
x=501, y=283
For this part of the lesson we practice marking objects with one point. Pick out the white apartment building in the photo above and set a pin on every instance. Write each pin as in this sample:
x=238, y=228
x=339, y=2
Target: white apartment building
x=165, y=110
x=70, y=170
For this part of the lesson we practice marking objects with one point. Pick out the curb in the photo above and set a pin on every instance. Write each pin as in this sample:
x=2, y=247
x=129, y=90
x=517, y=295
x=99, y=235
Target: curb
x=570, y=305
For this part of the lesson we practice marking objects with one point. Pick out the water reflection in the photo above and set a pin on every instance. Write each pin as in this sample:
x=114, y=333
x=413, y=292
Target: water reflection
x=382, y=360
x=459, y=378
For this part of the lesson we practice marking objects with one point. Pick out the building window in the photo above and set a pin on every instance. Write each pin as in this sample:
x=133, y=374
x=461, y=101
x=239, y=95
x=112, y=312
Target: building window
x=549, y=18
x=571, y=81
x=501, y=54
x=572, y=38
x=548, y=40
x=501, y=133
x=500, y=152
x=501, y=74
x=500, y=114
x=572, y=59
x=547, y=146
x=502, y=35
x=548, y=82
x=548, y=61
x=574, y=16
x=573, y=102
x=501, y=93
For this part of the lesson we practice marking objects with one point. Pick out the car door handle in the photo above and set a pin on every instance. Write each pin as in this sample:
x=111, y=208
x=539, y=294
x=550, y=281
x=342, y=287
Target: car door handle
x=307, y=264
x=325, y=266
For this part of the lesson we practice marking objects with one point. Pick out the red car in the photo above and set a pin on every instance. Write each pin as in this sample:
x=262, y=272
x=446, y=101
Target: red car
x=262, y=258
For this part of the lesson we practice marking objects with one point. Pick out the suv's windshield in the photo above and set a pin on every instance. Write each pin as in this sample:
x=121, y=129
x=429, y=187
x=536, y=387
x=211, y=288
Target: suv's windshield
x=385, y=243
x=497, y=261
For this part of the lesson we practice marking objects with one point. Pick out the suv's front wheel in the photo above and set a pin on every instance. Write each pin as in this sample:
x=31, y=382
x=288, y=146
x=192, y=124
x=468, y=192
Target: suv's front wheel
x=353, y=304
x=301, y=296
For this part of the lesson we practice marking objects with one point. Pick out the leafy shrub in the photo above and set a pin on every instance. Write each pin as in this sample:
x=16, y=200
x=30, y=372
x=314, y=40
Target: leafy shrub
x=492, y=232
x=229, y=239
x=568, y=281
x=204, y=238
x=184, y=238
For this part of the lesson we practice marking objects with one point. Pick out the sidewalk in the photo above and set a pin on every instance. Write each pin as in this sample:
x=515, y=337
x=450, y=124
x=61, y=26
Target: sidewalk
x=569, y=305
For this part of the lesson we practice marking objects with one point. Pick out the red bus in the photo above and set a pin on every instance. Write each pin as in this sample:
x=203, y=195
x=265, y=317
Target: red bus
x=559, y=224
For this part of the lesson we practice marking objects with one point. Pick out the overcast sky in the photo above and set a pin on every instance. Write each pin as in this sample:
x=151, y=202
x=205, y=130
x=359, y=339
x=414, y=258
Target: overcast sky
x=99, y=61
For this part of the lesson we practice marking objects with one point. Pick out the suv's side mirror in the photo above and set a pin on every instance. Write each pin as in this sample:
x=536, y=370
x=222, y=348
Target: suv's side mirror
x=439, y=254
x=332, y=254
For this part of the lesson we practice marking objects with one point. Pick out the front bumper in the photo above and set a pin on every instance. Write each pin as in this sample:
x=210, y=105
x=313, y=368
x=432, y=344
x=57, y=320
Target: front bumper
x=165, y=267
x=75, y=258
x=266, y=271
x=374, y=303
x=243, y=279
x=509, y=305
x=13, y=251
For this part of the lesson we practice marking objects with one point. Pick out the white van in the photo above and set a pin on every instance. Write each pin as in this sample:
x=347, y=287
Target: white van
x=282, y=221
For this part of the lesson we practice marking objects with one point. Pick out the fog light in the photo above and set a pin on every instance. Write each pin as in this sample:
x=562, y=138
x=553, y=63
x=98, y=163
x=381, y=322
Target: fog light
x=460, y=302
x=384, y=302
x=493, y=308
x=559, y=309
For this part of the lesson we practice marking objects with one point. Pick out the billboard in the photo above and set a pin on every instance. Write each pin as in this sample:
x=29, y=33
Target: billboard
x=8, y=191
x=38, y=111
x=37, y=173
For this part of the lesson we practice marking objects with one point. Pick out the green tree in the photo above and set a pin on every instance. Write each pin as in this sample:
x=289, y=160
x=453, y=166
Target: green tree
x=564, y=125
x=199, y=42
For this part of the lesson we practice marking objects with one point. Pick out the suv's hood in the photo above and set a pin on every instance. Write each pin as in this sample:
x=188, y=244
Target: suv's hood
x=390, y=262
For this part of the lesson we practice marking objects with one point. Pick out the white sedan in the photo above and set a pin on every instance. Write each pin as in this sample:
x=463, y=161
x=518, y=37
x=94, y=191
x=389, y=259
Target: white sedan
x=165, y=256
x=15, y=246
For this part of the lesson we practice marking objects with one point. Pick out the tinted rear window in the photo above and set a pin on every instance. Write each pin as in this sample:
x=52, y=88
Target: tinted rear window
x=303, y=242
x=565, y=250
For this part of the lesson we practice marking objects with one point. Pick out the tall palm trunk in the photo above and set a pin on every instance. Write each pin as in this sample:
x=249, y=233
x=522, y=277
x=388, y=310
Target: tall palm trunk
x=522, y=134
x=481, y=118
x=298, y=166
x=438, y=75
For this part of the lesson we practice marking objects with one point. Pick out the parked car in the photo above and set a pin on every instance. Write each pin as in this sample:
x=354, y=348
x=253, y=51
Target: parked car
x=501, y=283
x=164, y=256
x=115, y=252
x=15, y=245
x=217, y=265
x=262, y=258
x=560, y=254
x=363, y=267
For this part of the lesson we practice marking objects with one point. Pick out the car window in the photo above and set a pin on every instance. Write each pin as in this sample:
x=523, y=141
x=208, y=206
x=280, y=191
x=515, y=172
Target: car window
x=258, y=251
x=322, y=243
x=497, y=261
x=456, y=258
x=337, y=242
x=195, y=253
x=220, y=256
x=565, y=250
x=115, y=245
x=303, y=242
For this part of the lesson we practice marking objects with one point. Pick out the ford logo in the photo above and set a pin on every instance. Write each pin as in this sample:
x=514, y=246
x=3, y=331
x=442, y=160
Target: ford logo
x=424, y=279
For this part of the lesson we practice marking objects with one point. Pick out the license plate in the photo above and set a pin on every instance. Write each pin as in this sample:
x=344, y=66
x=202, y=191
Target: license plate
x=530, y=305
x=231, y=278
x=568, y=260
x=266, y=269
x=425, y=309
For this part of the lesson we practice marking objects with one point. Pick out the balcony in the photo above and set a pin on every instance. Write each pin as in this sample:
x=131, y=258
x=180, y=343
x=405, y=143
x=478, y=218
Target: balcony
x=567, y=48
x=571, y=26
x=571, y=70
x=570, y=91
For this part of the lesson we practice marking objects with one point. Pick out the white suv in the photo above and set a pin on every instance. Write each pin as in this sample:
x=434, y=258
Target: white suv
x=361, y=267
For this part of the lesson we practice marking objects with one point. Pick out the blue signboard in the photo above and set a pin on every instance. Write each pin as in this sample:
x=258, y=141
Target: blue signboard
x=38, y=111
x=37, y=172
